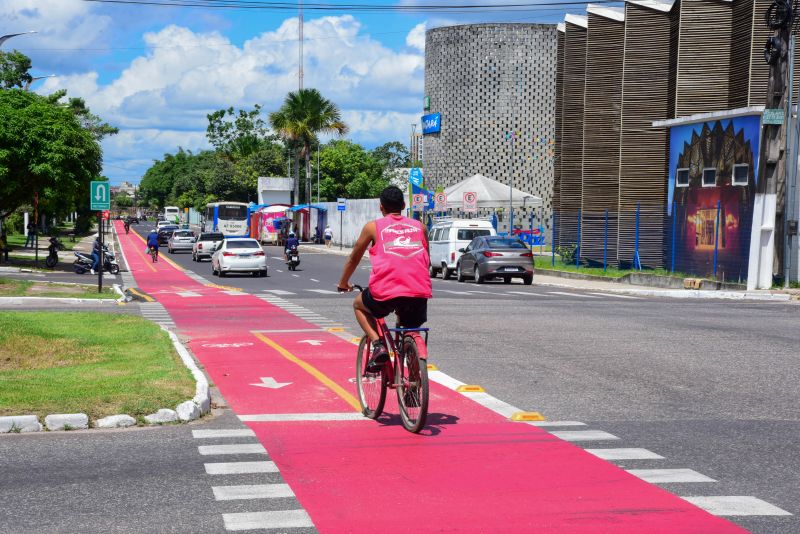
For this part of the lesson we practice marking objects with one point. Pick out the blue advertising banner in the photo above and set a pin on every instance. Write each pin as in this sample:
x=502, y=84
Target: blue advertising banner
x=415, y=176
x=431, y=123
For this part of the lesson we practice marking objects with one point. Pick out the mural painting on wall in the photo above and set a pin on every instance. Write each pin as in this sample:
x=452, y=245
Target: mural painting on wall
x=713, y=171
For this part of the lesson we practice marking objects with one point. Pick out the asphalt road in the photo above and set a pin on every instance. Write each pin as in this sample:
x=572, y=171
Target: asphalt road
x=710, y=385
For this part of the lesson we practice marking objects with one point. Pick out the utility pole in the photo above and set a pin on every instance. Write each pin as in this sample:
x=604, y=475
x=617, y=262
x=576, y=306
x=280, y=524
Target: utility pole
x=300, y=35
x=766, y=243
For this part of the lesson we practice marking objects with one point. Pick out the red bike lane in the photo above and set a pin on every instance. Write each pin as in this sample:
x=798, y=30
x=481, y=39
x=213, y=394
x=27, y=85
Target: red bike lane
x=471, y=470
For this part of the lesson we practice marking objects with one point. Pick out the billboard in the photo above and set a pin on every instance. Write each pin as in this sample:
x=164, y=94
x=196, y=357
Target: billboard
x=713, y=171
x=431, y=123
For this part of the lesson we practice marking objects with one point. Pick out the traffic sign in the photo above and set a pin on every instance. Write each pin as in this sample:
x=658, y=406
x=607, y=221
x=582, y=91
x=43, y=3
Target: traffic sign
x=470, y=201
x=418, y=200
x=99, y=196
x=440, y=201
x=341, y=204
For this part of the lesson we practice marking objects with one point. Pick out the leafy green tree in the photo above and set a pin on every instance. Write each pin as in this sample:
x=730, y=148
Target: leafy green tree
x=303, y=116
x=122, y=200
x=44, y=148
x=347, y=170
x=393, y=154
x=14, y=67
x=237, y=134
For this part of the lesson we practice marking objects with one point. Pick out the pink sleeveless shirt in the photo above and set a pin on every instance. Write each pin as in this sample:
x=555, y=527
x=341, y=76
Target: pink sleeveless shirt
x=399, y=259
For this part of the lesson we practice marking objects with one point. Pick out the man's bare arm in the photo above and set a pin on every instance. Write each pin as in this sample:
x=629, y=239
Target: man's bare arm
x=367, y=237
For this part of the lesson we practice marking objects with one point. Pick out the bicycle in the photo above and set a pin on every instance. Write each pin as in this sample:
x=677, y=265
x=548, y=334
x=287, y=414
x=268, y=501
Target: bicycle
x=406, y=372
x=154, y=254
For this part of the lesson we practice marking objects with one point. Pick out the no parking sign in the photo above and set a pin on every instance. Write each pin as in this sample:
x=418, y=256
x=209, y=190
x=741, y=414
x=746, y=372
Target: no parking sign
x=470, y=201
x=418, y=200
x=440, y=201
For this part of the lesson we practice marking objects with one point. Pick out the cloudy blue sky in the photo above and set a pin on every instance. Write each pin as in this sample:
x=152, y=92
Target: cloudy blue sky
x=155, y=72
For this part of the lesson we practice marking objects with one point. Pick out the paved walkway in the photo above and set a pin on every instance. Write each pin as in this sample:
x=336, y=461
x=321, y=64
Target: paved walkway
x=471, y=470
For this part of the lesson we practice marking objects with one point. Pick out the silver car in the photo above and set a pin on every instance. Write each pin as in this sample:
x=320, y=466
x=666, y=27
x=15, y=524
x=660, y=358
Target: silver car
x=490, y=257
x=180, y=240
x=239, y=256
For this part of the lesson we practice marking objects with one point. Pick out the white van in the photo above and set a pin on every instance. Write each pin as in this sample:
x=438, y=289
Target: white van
x=447, y=236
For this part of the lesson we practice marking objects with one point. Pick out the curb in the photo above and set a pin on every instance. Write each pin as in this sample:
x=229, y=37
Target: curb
x=680, y=293
x=184, y=412
x=54, y=300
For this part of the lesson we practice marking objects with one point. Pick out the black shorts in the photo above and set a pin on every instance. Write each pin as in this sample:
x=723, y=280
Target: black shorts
x=412, y=312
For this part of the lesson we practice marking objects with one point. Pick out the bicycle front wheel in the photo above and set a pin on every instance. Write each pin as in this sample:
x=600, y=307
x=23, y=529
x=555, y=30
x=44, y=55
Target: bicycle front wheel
x=412, y=387
x=371, y=385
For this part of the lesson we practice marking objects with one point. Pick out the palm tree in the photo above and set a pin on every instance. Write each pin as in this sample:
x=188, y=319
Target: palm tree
x=304, y=115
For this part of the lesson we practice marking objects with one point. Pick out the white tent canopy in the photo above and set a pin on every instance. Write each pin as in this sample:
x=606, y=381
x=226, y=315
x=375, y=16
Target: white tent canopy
x=491, y=194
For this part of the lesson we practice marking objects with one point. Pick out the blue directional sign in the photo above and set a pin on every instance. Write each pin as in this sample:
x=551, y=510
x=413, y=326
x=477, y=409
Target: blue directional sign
x=431, y=123
x=415, y=176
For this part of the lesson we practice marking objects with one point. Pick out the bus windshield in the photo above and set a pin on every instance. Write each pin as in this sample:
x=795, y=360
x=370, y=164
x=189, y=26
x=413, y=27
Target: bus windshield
x=232, y=212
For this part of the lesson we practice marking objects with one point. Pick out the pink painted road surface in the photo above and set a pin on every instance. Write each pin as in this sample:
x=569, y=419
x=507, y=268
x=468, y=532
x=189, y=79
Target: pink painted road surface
x=471, y=470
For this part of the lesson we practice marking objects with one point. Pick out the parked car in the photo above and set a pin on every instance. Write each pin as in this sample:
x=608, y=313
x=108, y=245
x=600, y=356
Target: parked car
x=165, y=232
x=163, y=224
x=180, y=240
x=490, y=257
x=205, y=245
x=239, y=255
x=449, y=235
x=133, y=219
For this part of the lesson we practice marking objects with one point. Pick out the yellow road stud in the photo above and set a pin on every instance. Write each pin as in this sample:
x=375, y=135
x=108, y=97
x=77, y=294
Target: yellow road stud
x=470, y=388
x=336, y=329
x=432, y=367
x=527, y=416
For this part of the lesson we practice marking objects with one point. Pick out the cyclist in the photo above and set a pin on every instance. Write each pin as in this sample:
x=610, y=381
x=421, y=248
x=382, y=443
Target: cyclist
x=399, y=281
x=127, y=225
x=152, y=244
x=291, y=242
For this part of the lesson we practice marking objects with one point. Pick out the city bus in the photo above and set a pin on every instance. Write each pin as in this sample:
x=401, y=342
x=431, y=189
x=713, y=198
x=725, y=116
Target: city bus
x=172, y=213
x=229, y=218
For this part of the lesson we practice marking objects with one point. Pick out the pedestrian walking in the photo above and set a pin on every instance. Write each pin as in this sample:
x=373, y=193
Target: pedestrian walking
x=3, y=246
x=30, y=238
x=328, y=236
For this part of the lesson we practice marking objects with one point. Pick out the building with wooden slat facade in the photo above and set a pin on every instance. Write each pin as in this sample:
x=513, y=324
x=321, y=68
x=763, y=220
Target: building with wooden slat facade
x=656, y=61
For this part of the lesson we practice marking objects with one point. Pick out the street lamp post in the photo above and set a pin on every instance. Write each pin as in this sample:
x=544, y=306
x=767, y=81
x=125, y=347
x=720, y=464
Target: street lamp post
x=33, y=79
x=5, y=38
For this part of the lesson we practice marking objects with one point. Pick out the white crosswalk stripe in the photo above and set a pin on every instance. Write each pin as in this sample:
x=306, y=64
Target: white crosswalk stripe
x=237, y=448
x=583, y=435
x=267, y=520
x=665, y=476
x=252, y=491
x=279, y=291
x=625, y=454
x=240, y=468
x=735, y=505
x=323, y=291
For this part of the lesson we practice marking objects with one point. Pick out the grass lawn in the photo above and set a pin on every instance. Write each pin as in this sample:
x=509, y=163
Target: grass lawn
x=17, y=242
x=545, y=264
x=94, y=363
x=10, y=287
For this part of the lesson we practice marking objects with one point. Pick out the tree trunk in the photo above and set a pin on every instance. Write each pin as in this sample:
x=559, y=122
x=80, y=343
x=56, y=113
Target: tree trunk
x=308, y=175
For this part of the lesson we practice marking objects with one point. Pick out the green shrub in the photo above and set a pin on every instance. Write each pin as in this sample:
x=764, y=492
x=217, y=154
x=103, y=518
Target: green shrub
x=567, y=253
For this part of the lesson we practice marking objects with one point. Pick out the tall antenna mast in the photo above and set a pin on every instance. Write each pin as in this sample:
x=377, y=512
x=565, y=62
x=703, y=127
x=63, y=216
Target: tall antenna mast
x=300, y=34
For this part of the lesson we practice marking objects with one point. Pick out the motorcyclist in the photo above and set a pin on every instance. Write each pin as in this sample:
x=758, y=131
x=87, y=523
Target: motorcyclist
x=97, y=248
x=291, y=242
x=152, y=243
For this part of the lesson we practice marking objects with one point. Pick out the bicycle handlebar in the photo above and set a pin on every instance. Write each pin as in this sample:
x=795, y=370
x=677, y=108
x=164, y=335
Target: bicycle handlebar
x=355, y=286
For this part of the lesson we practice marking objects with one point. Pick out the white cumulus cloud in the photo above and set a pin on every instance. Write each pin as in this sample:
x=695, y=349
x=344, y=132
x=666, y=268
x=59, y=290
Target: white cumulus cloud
x=416, y=37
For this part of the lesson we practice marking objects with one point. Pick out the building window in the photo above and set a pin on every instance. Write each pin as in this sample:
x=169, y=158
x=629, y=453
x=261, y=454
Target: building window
x=740, y=173
x=682, y=178
x=709, y=177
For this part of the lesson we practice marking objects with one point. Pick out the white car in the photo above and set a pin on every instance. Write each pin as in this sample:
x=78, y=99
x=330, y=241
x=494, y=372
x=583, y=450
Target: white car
x=239, y=256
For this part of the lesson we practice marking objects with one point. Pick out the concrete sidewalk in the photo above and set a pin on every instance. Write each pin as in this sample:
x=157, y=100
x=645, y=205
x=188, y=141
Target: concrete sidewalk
x=545, y=278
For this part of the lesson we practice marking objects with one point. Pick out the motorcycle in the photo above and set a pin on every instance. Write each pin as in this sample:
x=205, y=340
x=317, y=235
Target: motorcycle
x=52, y=257
x=293, y=258
x=83, y=262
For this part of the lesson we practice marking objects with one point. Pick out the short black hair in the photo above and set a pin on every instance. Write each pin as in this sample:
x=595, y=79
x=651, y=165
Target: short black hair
x=393, y=199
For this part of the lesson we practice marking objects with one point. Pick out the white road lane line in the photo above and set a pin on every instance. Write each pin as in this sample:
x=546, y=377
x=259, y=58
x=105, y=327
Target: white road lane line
x=730, y=505
x=278, y=271
x=527, y=293
x=296, y=275
x=280, y=417
x=240, y=468
x=666, y=476
x=267, y=520
x=223, y=433
x=238, y=448
x=614, y=295
x=453, y=292
x=583, y=435
x=579, y=295
x=484, y=292
x=556, y=423
x=323, y=291
x=253, y=491
x=278, y=291
x=625, y=454
x=314, y=280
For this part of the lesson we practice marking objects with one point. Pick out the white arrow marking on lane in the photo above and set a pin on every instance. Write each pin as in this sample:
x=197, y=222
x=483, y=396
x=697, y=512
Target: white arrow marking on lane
x=313, y=342
x=269, y=382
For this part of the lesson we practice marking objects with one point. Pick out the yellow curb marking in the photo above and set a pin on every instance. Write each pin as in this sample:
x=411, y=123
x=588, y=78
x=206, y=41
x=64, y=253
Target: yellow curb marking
x=147, y=298
x=470, y=388
x=224, y=288
x=313, y=371
x=355, y=340
x=527, y=416
x=432, y=367
x=336, y=329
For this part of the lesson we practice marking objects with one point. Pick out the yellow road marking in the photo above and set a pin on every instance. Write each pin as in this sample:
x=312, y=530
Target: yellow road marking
x=313, y=371
x=432, y=367
x=226, y=288
x=336, y=329
x=160, y=256
x=470, y=388
x=147, y=298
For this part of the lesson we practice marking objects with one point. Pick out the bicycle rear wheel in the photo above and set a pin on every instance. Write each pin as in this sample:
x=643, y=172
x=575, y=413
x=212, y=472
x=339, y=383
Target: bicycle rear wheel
x=412, y=387
x=371, y=385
